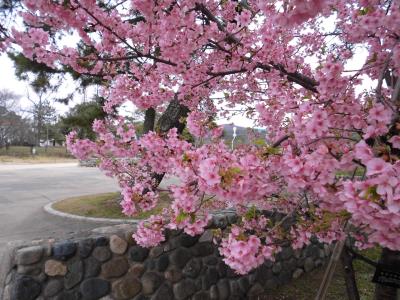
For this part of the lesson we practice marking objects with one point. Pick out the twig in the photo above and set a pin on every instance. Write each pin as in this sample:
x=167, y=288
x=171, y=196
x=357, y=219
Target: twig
x=378, y=89
x=357, y=255
x=280, y=141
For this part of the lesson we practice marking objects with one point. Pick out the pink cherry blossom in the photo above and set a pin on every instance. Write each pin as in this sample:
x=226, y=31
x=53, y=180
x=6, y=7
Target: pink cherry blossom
x=149, y=233
x=377, y=166
x=208, y=171
x=328, y=149
x=395, y=141
x=363, y=152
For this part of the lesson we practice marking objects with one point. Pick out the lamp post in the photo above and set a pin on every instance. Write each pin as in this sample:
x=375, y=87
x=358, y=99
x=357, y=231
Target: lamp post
x=33, y=144
x=233, y=136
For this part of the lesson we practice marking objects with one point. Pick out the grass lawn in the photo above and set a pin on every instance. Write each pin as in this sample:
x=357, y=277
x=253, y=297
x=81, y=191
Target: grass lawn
x=307, y=285
x=23, y=151
x=22, y=155
x=5, y=159
x=104, y=206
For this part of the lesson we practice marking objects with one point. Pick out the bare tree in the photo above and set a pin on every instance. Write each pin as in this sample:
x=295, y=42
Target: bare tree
x=8, y=100
x=9, y=119
x=43, y=113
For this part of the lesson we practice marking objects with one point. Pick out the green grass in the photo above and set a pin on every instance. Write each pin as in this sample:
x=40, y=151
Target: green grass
x=34, y=160
x=25, y=151
x=307, y=285
x=104, y=206
x=359, y=173
x=364, y=273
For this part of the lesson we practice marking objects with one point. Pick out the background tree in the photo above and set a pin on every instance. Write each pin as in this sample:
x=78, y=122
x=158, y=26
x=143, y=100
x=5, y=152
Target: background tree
x=9, y=120
x=81, y=117
x=43, y=116
x=8, y=100
x=15, y=129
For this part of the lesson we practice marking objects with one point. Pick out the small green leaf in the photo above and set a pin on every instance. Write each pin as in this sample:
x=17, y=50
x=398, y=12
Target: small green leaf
x=363, y=11
x=371, y=194
x=372, y=59
x=259, y=142
x=228, y=175
x=181, y=217
x=186, y=158
x=251, y=213
x=192, y=218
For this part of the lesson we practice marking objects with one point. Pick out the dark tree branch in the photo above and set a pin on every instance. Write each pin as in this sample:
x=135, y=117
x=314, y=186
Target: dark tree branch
x=280, y=141
x=206, y=12
x=136, y=20
x=139, y=54
x=296, y=77
x=230, y=38
x=357, y=255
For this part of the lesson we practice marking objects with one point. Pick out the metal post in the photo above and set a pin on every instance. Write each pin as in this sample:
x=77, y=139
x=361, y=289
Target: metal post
x=234, y=136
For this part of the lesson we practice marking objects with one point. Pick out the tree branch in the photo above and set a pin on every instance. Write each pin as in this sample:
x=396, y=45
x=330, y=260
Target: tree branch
x=280, y=141
x=296, y=77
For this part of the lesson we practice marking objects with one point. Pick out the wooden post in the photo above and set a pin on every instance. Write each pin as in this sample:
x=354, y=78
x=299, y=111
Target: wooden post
x=349, y=274
x=330, y=270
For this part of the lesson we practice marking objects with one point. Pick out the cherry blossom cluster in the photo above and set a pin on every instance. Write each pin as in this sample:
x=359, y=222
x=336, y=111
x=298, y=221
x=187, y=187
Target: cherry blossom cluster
x=200, y=125
x=331, y=153
x=244, y=253
x=149, y=234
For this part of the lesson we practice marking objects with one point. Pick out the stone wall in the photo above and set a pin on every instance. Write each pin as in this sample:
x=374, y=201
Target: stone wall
x=109, y=265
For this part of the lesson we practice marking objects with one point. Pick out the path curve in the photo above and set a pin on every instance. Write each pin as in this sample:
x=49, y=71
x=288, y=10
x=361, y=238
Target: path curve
x=49, y=209
x=25, y=189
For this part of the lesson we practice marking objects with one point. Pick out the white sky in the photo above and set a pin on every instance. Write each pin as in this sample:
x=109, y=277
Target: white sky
x=9, y=81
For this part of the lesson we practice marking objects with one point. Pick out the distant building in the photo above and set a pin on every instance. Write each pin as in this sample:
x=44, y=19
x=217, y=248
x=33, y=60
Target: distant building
x=50, y=143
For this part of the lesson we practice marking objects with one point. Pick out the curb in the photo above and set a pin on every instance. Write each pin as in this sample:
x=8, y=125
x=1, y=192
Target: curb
x=50, y=210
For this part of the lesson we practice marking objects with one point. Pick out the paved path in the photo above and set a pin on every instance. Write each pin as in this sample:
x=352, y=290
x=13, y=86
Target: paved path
x=25, y=189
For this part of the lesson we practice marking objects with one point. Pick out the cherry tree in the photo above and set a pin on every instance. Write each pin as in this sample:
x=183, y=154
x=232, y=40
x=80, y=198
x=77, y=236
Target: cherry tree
x=320, y=76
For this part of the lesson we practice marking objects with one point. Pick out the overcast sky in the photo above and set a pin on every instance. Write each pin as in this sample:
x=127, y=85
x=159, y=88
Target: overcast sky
x=9, y=81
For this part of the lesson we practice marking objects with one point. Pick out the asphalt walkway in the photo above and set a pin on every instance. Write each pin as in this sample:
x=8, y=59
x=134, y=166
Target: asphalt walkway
x=25, y=189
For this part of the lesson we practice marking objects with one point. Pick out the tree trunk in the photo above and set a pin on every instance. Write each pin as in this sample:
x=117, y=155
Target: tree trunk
x=391, y=258
x=172, y=117
x=149, y=119
x=169, y=119
x=349, y=275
